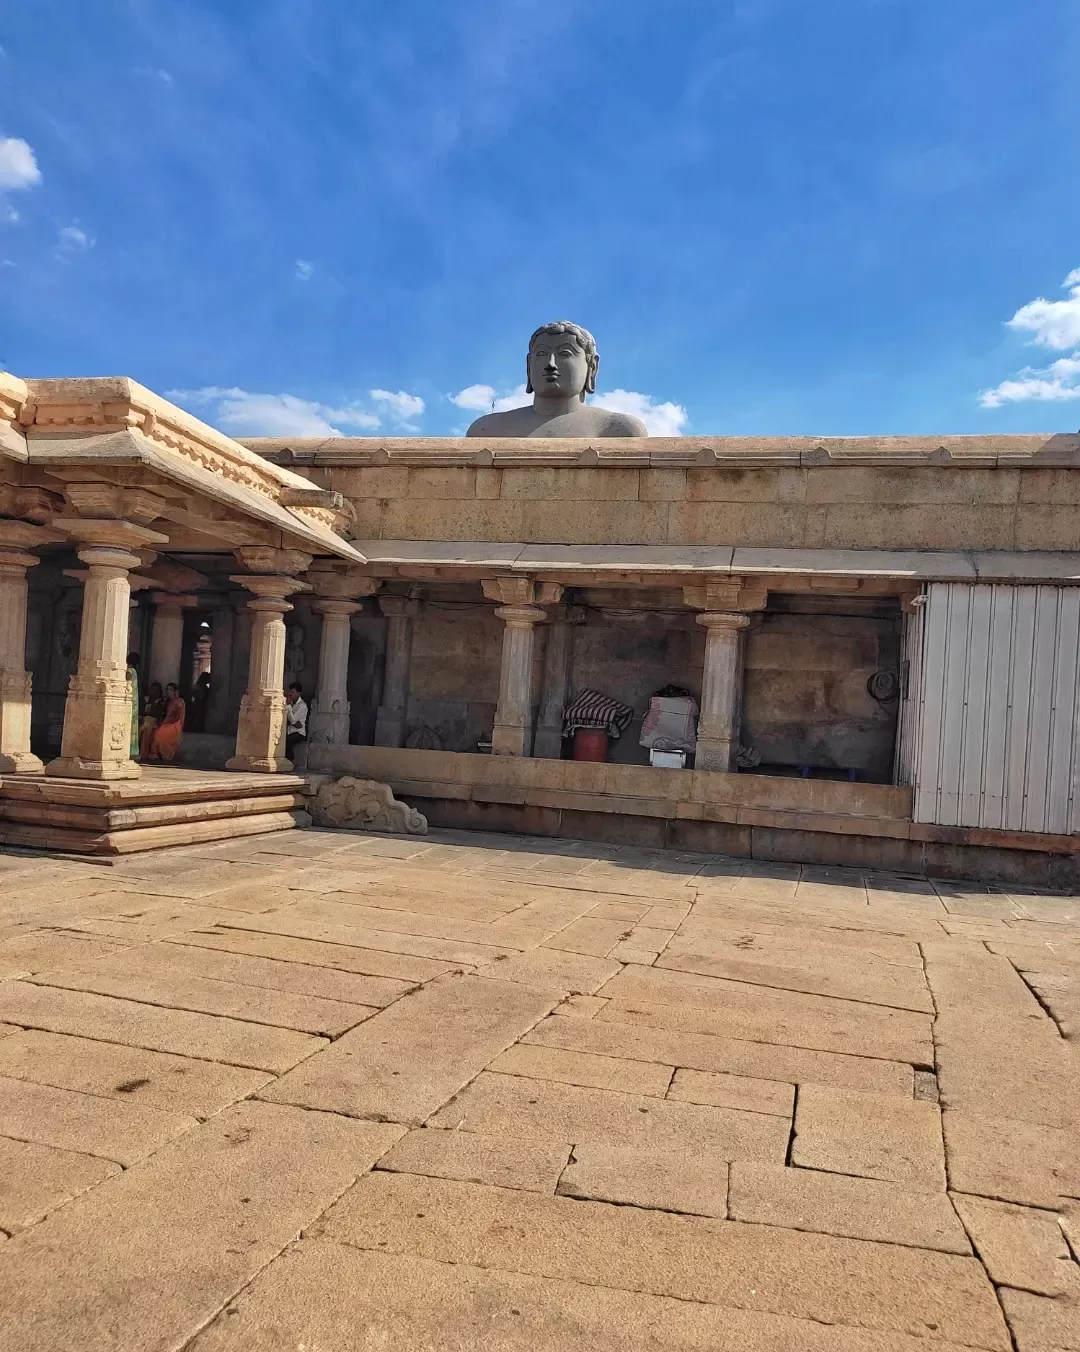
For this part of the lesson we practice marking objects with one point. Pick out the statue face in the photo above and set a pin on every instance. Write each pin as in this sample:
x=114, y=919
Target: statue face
x=558, y=365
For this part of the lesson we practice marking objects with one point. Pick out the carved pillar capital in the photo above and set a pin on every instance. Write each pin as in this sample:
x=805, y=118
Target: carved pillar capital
x=522, y=591
x=267, y=559
x=400, y=607
x=722, y=620
x=727, y=594
x=521, y=617
x=336, y=581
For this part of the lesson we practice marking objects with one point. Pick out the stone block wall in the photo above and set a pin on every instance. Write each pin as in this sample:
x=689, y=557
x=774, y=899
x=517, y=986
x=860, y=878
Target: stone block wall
x=873, y=494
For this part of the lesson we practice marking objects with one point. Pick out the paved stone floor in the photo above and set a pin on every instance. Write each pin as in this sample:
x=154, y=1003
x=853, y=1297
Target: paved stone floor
x=316, y=1092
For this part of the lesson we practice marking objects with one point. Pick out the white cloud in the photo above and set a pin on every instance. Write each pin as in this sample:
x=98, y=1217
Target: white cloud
x=156, y=73
x=1053, y=323
x=1055, y=383
x=478, y=398
x=18, y=168
x=399, y=407
x=517, y=398
x=486, y=399
x=72, y=240
x=661, y=420
x=304, y=270
x=243, y=413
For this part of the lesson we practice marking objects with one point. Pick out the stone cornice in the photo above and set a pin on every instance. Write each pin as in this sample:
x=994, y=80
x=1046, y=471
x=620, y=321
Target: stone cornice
x=69, y=409
x=1035, y=451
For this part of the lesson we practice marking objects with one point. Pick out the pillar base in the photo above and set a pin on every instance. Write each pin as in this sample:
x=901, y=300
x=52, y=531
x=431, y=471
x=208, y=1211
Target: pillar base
x=260, y=765
x=330, y=729
x=389, y=729
x=21, y=763
x=712, y=753
x=547, y=745
x=74, y=767
x=509, y=740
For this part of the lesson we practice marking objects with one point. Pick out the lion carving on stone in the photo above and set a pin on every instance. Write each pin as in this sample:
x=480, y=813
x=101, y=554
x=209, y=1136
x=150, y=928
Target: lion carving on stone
x=353, y=804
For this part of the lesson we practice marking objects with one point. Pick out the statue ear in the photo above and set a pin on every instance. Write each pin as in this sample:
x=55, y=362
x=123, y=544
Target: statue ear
x=590, y=379
x=528, y=377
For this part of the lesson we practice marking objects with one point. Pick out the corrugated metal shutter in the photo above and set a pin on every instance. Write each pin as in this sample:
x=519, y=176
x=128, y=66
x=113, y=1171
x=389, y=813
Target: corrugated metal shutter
x=911, y=685
x=997, y=741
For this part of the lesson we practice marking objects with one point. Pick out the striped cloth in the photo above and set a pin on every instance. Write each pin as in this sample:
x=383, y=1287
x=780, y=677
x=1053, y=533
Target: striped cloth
x=596, y=711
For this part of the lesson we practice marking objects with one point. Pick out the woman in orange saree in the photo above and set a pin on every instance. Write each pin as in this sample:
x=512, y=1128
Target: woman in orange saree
x=165, y=739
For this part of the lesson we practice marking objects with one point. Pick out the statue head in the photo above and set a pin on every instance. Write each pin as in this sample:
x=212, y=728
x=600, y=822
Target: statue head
x=562, y=360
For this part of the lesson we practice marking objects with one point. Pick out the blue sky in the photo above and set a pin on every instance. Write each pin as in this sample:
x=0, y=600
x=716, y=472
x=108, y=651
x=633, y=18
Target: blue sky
x=777, y=217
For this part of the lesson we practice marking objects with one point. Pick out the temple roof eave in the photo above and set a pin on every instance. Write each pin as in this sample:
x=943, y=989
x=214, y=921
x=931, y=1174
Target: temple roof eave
x=70, y=457
x=672, y=563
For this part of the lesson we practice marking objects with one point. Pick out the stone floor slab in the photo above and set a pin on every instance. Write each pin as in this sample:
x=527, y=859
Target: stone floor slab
x=721, y=1055
x=213, y=1209
x=35, y=1179
x=1019, y=1246
x=41, y=950
x=290, y=978
x=733, y=1091
x=177, y=1084
x=704, y=1004
x=407, y=1060
x=857, y=978
x=1008, y=1160
x=832, y=1204
x=135, y=975
x=509, y=1105
x=502, y=1161
x=107, y=1128
x=846, y=1131
x=202, y=1036
x=582, y=1068
x=749, y=1267
x=332, y=957
x=695, y=1185
x=330, y=1295
x=552, y=970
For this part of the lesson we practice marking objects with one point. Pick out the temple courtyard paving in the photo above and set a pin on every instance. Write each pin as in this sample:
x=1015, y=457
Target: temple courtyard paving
x=318, y=1091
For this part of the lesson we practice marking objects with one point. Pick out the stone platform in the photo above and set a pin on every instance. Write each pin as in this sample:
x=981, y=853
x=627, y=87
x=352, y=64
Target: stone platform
x=164, y=806
x=468, y=1093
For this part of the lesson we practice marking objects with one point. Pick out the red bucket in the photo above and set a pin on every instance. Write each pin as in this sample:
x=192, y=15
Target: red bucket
x=590, y=745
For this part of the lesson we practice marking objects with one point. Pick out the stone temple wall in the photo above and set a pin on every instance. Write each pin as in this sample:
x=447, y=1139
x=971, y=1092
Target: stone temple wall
x=858, y=506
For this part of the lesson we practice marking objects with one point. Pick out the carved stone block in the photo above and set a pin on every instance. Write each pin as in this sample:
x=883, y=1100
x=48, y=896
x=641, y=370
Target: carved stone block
x=365, y=805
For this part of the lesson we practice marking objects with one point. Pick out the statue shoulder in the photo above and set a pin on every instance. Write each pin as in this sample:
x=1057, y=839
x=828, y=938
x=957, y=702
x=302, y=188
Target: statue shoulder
x=624, y=425
x=494, y=425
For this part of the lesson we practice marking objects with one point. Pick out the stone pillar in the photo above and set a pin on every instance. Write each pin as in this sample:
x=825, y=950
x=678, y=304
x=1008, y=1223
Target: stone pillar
x=400, y=612
x=721, y=691
x=222, y=630
x=260, y=736
x=97, y=715
x=557, y=658
x=512, y=733
x=15, y=680
x=328, y=721
x=167, y=637
x=338, y=591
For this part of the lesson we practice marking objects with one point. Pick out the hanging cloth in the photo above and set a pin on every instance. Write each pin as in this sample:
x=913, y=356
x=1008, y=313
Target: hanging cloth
x=598, y=712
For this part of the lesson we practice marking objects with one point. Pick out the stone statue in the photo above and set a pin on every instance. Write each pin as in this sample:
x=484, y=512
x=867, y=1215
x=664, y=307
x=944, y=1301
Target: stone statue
x=561, y=370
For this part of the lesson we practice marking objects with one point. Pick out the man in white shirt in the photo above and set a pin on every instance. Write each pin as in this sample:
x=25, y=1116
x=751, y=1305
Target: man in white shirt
x=296, y=712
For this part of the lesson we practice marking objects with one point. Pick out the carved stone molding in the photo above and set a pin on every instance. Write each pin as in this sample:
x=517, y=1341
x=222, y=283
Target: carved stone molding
x=522, y=591
x=730, y=594
x=267, y=559
x=353, y=804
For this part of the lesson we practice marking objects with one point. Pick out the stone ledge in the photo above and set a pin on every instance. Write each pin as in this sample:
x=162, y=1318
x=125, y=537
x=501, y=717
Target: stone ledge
x=1013, y=451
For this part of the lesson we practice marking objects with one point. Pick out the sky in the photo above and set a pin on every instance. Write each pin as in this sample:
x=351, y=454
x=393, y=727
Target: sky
x=317, y=217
